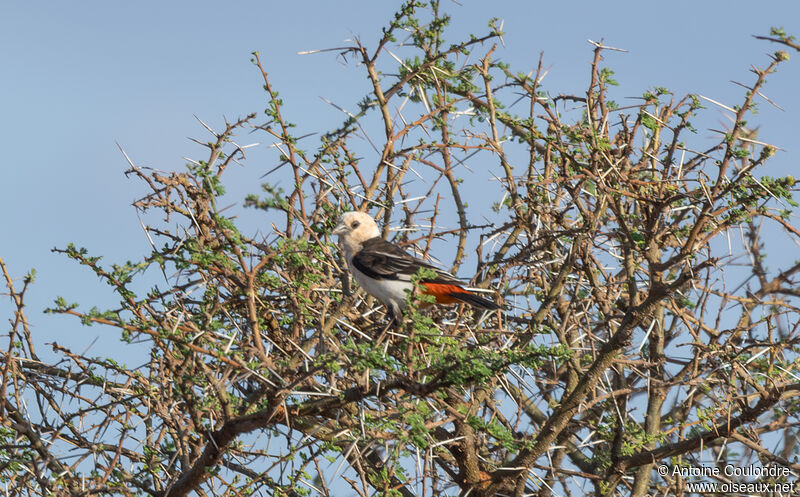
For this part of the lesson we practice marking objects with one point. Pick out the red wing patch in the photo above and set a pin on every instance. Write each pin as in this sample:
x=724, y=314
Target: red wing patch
x=443, y=292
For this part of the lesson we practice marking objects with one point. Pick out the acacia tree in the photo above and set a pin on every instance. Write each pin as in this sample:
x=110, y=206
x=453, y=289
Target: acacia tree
x=629, y=339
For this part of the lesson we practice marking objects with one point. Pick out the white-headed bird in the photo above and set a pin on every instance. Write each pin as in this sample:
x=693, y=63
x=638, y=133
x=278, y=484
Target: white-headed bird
x=384, y=270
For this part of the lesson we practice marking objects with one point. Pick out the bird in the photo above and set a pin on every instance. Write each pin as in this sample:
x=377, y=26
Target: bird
x=384, y=270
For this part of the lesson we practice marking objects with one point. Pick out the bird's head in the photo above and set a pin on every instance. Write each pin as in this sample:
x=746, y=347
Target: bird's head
x=355, y=228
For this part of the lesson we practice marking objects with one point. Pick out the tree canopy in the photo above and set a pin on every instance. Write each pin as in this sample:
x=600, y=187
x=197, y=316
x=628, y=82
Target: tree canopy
x=642, y=326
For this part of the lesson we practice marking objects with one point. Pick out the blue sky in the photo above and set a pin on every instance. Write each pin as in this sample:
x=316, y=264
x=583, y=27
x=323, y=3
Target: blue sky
x=80, y=76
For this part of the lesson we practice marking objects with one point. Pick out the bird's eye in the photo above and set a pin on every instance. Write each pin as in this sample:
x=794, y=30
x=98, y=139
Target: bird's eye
x=355, y=224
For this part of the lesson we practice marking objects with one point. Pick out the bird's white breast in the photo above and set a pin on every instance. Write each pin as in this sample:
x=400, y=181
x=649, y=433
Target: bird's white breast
x=391, y=292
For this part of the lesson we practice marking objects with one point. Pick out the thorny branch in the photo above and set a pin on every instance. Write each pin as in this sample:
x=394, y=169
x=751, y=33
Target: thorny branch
x=642, y=324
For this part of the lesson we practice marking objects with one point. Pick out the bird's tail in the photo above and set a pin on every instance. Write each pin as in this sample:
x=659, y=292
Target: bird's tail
x=448, y=293
x=475, y=301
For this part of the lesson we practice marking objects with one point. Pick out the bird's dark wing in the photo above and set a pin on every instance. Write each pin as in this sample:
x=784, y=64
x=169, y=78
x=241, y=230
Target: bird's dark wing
x=380, y=259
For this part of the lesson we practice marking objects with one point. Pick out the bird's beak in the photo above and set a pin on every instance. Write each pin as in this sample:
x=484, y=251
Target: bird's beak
x=340, y=229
